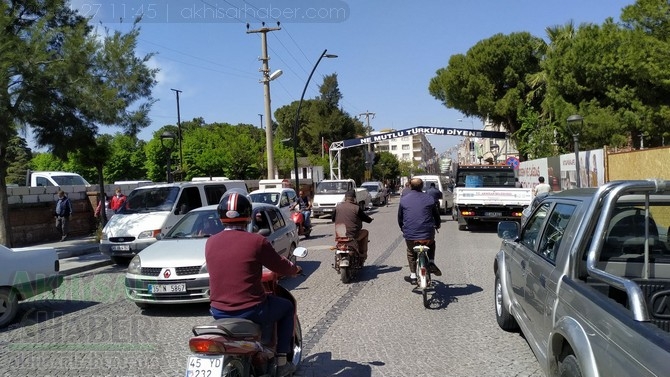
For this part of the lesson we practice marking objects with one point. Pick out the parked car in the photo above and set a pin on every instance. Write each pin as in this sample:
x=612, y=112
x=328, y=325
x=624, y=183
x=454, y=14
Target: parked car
x=282, y=198
x=173, y=269
x=377, y=192
x=24, y=273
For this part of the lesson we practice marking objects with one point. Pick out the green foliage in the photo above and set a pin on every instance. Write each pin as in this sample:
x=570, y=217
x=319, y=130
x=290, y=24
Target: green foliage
x=386, y=166
x=18, y=156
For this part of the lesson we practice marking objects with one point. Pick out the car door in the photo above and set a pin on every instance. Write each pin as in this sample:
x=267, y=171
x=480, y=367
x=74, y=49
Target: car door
x=539, y=293
x=518, y=256
x=281, y=239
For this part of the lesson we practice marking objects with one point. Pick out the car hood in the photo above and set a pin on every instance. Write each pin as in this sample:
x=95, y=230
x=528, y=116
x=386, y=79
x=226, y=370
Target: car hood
x=174, y=253
x=122, y=225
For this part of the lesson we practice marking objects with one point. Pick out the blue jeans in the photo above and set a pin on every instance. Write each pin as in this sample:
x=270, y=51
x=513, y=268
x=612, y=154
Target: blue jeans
x=306, y=215
x=273, y=310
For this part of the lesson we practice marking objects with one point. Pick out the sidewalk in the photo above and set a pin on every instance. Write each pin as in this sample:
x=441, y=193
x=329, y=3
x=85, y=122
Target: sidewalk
x=77, y=254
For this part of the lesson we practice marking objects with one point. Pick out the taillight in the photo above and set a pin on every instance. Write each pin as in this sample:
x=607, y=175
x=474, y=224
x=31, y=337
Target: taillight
x=422, y=271
x=467, y=213
x=517, y=214
x=205, y=345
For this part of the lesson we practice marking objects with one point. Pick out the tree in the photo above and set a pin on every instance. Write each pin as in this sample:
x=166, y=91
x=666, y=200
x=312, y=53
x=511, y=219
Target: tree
x=18, y=156
x=386, y=166
x=64, y=80
x=489, y=81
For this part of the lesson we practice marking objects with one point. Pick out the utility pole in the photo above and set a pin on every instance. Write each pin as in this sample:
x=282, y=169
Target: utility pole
x=369, y=158
x=179, y=137
x=266, y=85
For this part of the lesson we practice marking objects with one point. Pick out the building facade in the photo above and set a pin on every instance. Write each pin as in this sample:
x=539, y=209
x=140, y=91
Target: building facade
x=414, y=148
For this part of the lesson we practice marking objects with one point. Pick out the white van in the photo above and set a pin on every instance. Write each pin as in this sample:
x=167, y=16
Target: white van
x=154, y=209
x=447, y=201
x=56, y=178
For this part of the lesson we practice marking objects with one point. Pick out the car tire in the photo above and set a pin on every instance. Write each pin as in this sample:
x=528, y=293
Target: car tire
x=9, y=305
x=504, y=318
x=569, y=367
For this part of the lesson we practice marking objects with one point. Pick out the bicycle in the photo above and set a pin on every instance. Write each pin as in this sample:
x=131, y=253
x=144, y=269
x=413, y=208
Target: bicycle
x=423, y=280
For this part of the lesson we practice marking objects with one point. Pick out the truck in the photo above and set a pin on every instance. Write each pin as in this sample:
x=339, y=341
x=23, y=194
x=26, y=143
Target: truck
x=329, y=192
x=54, y=178
x=487, y=193
x=587, y=280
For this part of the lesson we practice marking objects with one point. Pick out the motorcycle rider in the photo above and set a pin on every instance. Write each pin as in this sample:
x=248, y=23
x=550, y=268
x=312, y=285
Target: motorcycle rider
x=305, y=205
x=349, y=214
x=418, y=217
x=235, y=260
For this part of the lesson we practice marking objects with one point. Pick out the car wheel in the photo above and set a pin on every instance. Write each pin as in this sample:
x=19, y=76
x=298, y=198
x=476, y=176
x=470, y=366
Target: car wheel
x=569, y=367
x=9, y=305
x=504, y=318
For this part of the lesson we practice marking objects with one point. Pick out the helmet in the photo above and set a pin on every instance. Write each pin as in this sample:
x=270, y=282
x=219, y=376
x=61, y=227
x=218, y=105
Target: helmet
x=235, y=207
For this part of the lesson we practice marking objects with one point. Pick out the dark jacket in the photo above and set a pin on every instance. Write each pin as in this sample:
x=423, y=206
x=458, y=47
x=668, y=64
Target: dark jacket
x=435, y=193
x=63, y=207
x=352, y=216
x=418, y=216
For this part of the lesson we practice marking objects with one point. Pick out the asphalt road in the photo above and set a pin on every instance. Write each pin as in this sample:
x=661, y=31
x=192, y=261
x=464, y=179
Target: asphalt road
x=375, y=326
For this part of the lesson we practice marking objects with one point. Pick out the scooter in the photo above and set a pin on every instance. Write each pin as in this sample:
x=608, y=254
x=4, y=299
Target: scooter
x=299, y=219
x=235, y=347
x=347, y=258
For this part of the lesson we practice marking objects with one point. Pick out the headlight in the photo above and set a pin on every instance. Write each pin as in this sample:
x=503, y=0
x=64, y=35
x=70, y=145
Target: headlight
x=103, y=236
x=203, y=269
x=148, y=234
x=135, y=266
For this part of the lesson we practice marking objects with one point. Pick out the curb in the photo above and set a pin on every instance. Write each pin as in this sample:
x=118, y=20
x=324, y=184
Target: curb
x=86, y=267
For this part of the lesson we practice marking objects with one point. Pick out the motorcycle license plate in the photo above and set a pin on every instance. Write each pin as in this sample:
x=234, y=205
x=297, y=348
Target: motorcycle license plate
x=204, y=366
x=167, y=288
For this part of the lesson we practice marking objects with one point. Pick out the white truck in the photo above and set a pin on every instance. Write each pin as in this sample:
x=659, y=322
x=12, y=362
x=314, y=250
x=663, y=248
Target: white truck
x=487, y=193
x=54, y=178
x=329, y=192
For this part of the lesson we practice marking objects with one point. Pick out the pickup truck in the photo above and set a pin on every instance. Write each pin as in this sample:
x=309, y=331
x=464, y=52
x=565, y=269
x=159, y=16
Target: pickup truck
x=487, y=193
x=587, y=280
x=329, y=192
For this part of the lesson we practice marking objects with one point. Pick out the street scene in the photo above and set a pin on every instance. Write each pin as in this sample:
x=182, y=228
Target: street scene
x=374, y=326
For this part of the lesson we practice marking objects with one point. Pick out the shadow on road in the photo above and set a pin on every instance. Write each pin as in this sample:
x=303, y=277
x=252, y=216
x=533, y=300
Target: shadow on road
x=322, y=364
x=373, y=271
x=442, y=294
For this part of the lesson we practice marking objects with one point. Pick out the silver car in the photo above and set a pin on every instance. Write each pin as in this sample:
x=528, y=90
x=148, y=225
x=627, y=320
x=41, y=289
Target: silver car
x=173, y=270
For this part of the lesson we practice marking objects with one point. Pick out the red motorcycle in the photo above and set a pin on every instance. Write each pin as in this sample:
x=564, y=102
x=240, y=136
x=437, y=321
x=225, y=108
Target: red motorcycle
x=234, y=347
x=347, y=259
x=299, y=219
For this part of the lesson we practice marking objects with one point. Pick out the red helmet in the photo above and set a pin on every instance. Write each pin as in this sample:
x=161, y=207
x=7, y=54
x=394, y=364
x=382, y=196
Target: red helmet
x=234, y=207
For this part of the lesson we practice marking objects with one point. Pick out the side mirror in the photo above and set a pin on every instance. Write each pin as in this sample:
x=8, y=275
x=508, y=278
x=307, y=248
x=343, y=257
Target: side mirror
x=508, y=230
x=300, y=252
x=159, y=236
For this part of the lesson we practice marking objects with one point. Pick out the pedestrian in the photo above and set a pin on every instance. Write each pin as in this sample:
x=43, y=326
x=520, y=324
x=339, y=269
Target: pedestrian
x=62, y=214
x=418, y=218
x=517, y=184
x=387, y=194
x=118, y=200
x=542, y=187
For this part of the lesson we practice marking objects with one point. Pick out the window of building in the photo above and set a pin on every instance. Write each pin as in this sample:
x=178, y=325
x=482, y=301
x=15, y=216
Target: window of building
x=405, y=147
x=394, y=147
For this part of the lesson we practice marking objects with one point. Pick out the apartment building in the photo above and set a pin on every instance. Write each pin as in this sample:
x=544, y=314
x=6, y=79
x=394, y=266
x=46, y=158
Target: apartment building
x=415, y=148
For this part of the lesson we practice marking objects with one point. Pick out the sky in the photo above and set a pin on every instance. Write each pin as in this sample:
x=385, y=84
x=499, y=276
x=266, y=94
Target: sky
x=388, y=51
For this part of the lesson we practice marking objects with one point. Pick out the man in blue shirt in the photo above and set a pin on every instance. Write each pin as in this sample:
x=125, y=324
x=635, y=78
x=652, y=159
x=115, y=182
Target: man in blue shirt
x=418, y=217
x=435, y=193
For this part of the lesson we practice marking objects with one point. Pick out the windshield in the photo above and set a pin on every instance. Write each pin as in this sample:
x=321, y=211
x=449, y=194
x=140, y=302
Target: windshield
x=371, y=188
x=332, y=187
x=485, y=178
x=196, y=224
x=426, y=185
x=265, y=197
x=150, y=200
x=69, y=180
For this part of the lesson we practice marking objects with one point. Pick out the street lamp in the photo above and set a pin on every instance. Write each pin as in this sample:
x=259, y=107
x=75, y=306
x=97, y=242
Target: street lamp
x=575, y=125
x=297, y=117
x=167, y=142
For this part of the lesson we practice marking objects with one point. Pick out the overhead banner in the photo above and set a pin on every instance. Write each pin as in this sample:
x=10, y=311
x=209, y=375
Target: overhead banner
x=426, y=131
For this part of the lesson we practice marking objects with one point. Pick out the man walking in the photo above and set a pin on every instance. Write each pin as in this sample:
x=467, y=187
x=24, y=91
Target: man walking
x=62, y=214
